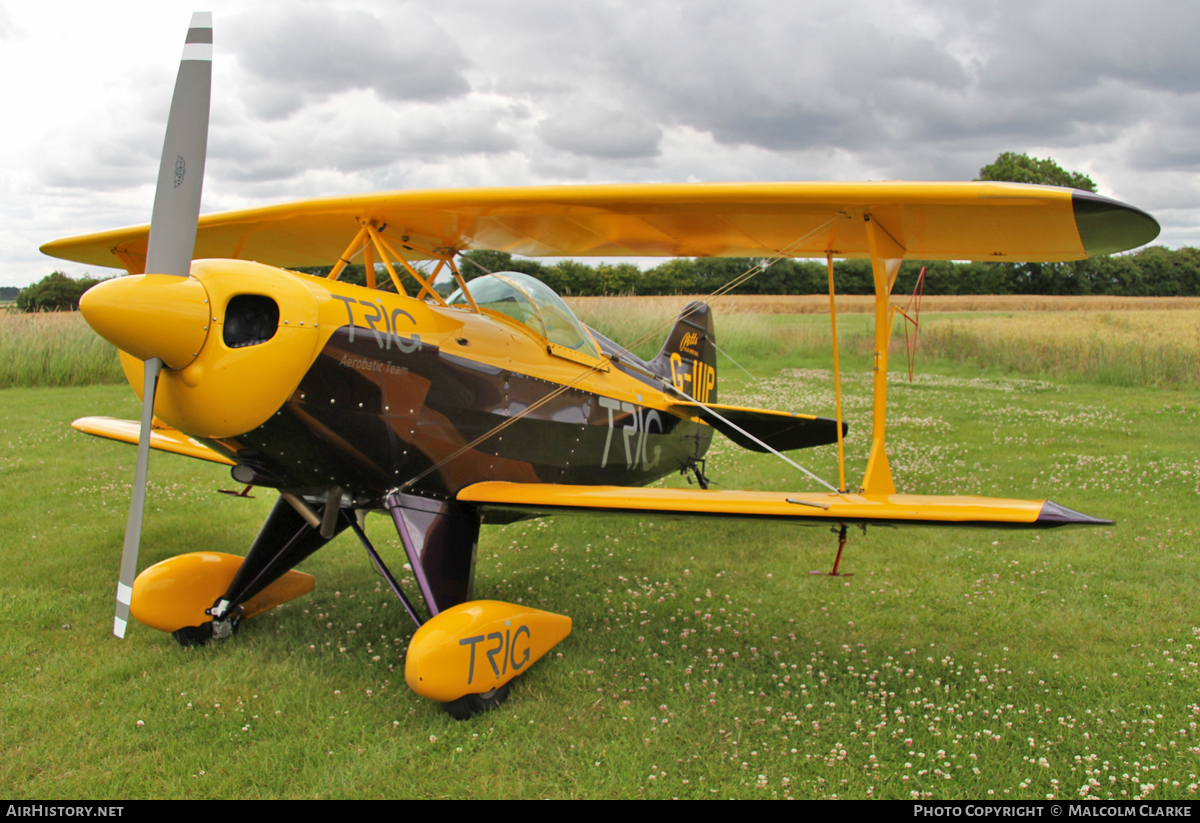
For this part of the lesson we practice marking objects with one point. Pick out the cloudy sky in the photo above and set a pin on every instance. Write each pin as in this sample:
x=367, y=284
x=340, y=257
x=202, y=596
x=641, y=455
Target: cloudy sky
x=333, y=97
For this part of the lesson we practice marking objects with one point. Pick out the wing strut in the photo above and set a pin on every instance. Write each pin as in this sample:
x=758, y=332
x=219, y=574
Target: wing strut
x=462, y=284
x=886, y=256
x=355, y=246
x=385, y=249
x=837, y=380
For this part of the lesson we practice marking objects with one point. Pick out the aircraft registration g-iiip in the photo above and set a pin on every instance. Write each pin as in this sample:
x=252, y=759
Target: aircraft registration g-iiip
x=496, y=403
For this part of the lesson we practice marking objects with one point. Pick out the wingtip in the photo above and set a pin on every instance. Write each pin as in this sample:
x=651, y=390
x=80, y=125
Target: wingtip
x=1107, y=226
x=1052, y=514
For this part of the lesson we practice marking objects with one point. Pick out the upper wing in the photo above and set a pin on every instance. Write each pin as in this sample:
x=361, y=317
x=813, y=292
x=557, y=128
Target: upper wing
x=931, y=221
x=802, y=509
x=164, y=439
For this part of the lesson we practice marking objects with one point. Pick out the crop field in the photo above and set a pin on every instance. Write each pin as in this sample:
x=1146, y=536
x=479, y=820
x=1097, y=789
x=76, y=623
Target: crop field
x=1115, y=341
x=865, y=304
x=705, y=660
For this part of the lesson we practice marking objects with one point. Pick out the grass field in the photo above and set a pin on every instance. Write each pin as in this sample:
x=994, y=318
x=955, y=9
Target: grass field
x=705, y=661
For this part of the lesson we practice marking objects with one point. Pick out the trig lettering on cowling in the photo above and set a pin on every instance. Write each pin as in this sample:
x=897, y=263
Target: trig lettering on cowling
x=379, y=314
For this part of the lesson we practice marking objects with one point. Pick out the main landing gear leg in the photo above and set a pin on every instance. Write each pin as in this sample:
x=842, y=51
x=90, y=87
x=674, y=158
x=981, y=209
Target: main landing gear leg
x=440, y=539
x=284, y=541
x=841, y=531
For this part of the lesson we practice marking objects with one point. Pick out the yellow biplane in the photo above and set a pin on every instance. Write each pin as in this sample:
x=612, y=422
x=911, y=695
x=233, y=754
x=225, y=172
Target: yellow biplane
x=495, y=403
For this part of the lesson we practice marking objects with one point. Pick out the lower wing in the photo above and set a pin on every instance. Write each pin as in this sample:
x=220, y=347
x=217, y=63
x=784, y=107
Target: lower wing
x=801, y=509
x=163, y=438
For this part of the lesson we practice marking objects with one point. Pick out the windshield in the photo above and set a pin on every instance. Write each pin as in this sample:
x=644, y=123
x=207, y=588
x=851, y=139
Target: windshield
x=532, y=303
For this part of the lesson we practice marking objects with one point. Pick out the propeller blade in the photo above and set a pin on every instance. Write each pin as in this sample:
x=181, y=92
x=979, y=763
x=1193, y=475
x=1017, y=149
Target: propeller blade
x=181, y=170
x=137, y=503
x=172, y=242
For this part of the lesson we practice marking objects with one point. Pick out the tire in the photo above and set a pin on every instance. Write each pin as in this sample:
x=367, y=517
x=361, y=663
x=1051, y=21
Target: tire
x=201, y=635
x=470, y=705
x=194, y=635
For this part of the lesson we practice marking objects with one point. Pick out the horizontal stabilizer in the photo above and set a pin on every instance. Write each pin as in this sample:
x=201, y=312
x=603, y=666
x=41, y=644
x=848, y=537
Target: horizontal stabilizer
x=799, y=508
x=162, y=438
x=782, y=431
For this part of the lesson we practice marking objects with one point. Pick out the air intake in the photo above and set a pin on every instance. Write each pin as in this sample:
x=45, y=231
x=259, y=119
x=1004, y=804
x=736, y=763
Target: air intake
x=250, y=319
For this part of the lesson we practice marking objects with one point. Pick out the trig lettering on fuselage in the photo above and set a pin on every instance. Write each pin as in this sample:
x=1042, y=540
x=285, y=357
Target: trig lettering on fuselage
x=638, y=426
x=379, y=314
x=506, y=648
x=701, y=376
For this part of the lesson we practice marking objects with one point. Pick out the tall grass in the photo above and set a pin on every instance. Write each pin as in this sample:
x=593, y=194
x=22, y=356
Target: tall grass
x=1160, y=349
x=54, y=349
x=1144, y=346
x=1120, y=341
x=865, y=303
x=648, y=319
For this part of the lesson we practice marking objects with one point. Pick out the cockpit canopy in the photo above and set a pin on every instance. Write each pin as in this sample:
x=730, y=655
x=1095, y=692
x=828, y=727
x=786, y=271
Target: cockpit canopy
x=532, y=303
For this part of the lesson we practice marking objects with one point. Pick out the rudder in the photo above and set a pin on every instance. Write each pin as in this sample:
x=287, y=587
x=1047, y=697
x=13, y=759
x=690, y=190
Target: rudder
x=689, y=357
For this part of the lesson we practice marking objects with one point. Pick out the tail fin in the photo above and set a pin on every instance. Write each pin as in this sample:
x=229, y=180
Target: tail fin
x=689, y=357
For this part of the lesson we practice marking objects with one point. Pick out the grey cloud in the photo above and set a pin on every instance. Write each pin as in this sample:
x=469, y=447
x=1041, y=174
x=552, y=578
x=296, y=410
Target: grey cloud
x=796, y=76
x=1065, y=46
x=595, y=130
x=1171, y=142
x=356, y=138
x=126, y=158
x=299, y=54
x=474, y=133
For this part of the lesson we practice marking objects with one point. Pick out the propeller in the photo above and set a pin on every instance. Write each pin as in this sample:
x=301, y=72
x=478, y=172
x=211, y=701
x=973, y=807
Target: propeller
x=172, y=242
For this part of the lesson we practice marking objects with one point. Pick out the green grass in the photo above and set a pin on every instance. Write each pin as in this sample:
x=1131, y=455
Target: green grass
x=703, y=655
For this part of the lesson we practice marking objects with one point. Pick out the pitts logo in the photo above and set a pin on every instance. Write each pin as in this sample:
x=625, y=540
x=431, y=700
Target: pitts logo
x=505, y=648
x=689, y=343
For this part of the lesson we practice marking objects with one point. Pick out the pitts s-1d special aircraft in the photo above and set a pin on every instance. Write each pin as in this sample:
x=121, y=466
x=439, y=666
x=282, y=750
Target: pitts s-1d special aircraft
x=496, y=403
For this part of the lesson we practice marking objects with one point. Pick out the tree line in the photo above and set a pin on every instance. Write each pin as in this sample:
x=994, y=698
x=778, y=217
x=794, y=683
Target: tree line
x=1152, y=272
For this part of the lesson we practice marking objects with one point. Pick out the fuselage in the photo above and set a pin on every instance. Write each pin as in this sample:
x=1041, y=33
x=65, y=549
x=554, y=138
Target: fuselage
x=367, y=390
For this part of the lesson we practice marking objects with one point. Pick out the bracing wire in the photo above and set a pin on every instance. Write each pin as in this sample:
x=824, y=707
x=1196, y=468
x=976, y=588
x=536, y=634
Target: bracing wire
x=736, y=363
